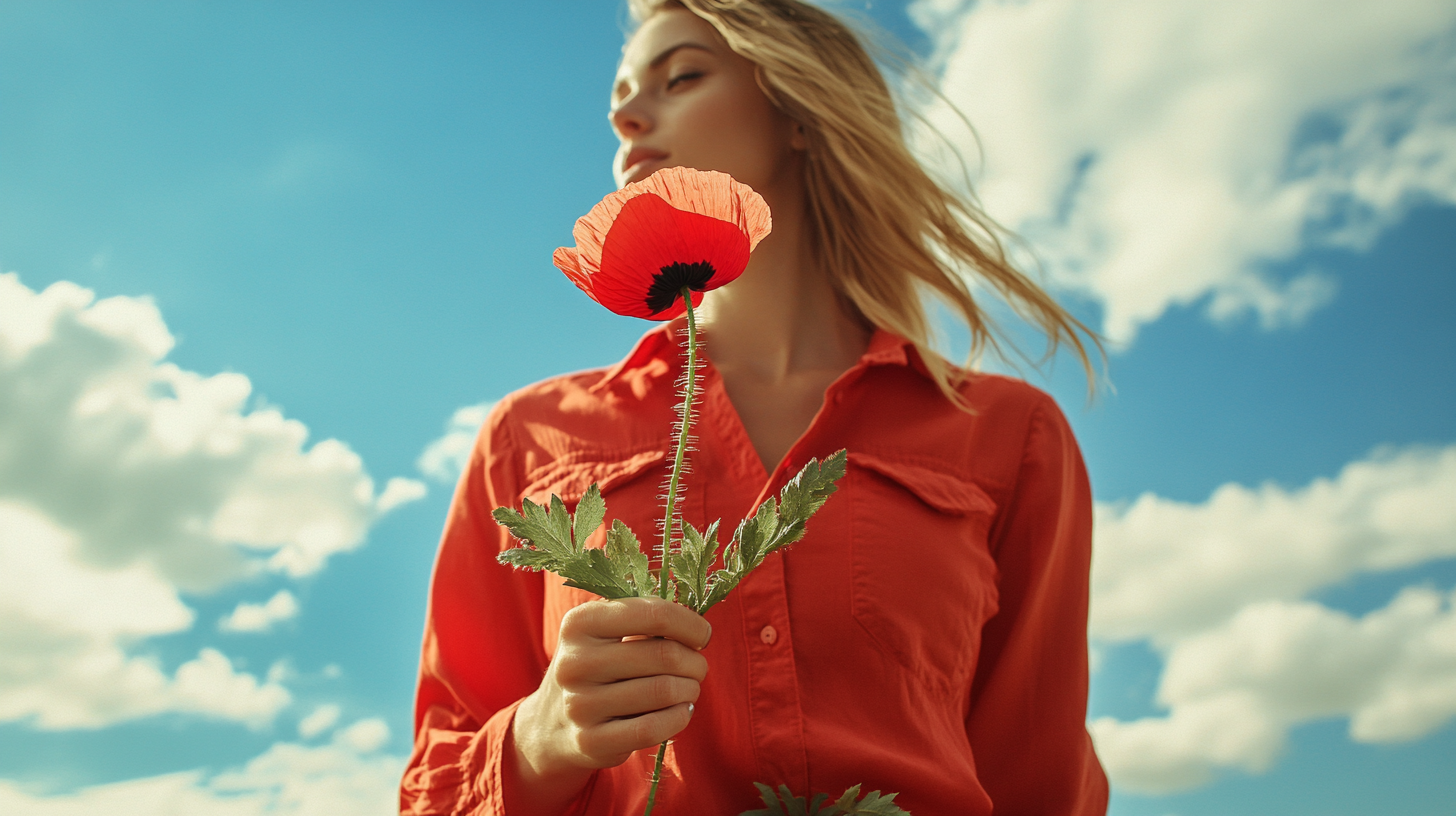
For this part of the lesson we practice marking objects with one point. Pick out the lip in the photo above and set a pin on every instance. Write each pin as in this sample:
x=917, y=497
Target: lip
x=638, y=157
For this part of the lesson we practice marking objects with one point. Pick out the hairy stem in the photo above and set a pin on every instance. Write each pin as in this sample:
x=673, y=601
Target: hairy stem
x=682, y=444
x=656, y=777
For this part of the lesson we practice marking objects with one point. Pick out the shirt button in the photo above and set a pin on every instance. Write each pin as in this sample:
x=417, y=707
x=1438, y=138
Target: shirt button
x=768, y=635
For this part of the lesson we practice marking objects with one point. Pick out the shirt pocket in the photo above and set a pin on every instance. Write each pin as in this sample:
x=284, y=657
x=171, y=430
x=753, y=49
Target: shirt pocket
x=924, y=582
x=630, y=494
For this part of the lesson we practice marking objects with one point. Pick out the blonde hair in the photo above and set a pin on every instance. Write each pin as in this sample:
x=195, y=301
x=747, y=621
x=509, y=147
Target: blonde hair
x=883, y=228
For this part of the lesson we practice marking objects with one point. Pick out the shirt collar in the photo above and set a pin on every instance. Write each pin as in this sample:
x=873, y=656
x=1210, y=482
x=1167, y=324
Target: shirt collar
x=664, y=342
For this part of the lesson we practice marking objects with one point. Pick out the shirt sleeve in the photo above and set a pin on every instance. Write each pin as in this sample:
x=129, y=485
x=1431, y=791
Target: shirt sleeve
x=1027, y=716
x=482, y=650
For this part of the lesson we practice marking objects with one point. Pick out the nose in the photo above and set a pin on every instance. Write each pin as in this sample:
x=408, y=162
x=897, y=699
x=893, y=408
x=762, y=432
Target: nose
x=629, y=119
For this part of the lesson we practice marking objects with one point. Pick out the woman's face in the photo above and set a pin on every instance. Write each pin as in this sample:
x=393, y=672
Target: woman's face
x=682, y=98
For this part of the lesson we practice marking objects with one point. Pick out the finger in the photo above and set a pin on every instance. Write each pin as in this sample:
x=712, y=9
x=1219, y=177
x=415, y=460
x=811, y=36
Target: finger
x=617, y=738
x=624, y=617
x=629, y=698
x=615, y=661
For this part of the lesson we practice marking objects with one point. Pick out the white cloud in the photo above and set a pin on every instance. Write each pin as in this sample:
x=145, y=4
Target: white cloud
x=249, y=617
x=125, y=481
x=1157, y=153
x=344, y=778
x=445, y=458
x=398, y=491
x=1233, y=692
x=322, y=719
x=152, y=464
x=1165, y=569
x=364, y=736
x=64, y=626
x=1220, y=589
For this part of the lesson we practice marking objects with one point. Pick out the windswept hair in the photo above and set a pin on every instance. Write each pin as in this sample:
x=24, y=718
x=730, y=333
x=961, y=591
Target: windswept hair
x=885, y=231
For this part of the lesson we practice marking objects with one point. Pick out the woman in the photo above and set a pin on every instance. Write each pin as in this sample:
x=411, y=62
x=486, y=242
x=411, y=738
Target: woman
x=928, y=636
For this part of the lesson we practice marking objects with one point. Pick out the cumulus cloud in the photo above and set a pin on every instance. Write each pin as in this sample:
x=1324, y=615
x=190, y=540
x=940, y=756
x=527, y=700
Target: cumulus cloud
x=444, y=459
x=64, y=628
x=1221, y=590
x=1165, y=569
x=249, y=617
x=152, y=464
x=347, y=777
x=1233, y=692
x=1159, y=154
x=320, y=720
x=126, y=481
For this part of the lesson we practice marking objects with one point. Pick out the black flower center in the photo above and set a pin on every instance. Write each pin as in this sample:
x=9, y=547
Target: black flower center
x=668, y=283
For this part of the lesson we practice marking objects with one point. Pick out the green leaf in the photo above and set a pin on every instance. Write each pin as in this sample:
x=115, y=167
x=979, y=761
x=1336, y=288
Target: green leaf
x=873, y=804
x=560, y=522
x=556, y=542
x=784, y=803
x=690, y=564
x=771, y=806
x=719, y=585
x=523, y=558
x=592, y=571
x=624, y=548
x=753, y=534
x=589, y=514
x=533, y=527
x=775, y=526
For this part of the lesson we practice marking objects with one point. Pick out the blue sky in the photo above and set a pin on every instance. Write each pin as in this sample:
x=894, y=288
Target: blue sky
x=354, y=205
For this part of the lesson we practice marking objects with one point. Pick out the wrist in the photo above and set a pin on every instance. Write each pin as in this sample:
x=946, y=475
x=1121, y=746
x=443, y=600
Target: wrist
x=538, y=779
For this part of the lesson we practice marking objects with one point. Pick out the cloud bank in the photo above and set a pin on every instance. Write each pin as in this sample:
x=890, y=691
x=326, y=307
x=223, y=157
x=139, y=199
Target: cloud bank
x=126, y=481
x=347, y=777
x=1221, y=589
x=1162, y=154
x=444, y=459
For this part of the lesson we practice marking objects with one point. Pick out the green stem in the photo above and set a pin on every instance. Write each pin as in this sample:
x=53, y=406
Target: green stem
x=682, y=444
x=656, y=777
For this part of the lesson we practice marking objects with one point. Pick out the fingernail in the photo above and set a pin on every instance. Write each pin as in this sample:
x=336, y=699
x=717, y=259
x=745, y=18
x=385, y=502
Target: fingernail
x=690, y=709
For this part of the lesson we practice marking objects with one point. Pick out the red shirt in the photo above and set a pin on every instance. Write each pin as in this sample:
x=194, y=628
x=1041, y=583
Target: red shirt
x=927, y=636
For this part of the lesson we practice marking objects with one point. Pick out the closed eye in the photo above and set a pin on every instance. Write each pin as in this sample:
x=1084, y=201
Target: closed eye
x=682, y=77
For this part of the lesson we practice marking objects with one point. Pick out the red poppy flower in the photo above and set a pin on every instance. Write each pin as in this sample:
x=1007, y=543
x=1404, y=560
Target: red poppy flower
x=679, y=227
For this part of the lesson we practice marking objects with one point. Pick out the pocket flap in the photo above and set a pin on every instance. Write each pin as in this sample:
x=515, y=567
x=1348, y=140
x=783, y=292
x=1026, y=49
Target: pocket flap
x=945, y=492
x=570, y=477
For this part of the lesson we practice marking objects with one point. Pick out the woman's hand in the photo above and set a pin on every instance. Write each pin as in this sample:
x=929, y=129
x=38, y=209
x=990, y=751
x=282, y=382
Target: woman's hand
x=624, y=677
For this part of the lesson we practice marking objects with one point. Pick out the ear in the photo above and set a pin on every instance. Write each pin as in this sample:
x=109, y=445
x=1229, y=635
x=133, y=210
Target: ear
x=797, y=139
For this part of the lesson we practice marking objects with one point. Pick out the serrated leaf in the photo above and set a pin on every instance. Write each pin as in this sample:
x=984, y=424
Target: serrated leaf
x=720, y=583
x=783, y=802
x=802, y=497
x=525, y=558
x=771, y=806
x=623, y=548
x=690, y=564
x=592, y=571
x=560, y=522
x=753, y=533
x=873, y=804
x=532, y=527
x=589, y=514
x=549, y=535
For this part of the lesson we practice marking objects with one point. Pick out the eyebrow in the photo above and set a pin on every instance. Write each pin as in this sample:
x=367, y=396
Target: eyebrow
x=663, y=56
x=672, y=49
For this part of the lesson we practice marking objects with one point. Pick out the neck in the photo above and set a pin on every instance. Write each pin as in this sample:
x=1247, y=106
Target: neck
x=781, y=318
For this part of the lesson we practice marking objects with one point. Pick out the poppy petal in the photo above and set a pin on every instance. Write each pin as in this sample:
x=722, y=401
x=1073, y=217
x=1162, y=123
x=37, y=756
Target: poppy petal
x=653, y=246
x=568, y=260
x=639, y=246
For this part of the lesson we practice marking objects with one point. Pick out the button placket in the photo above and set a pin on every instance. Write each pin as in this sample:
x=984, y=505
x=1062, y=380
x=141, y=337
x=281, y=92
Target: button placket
x=777, y=717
